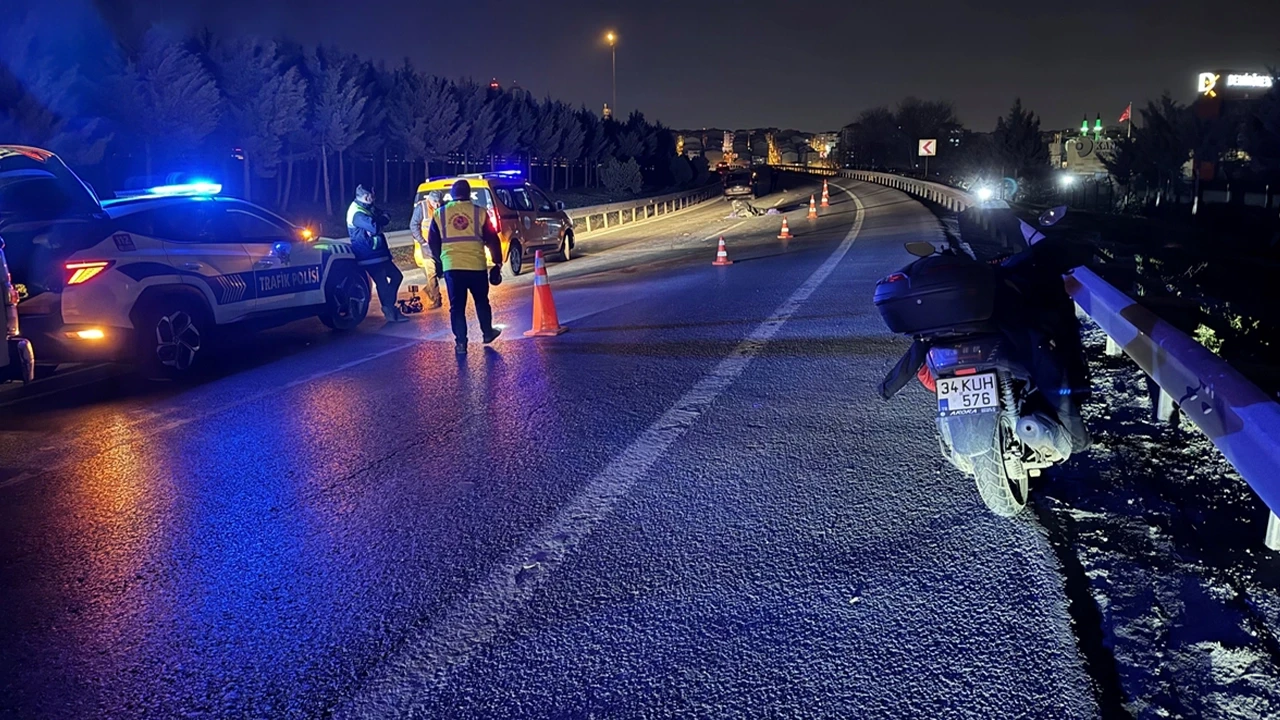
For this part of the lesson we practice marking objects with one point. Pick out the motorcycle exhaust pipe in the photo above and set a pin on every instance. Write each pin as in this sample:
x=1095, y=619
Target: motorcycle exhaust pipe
x=1043, y=435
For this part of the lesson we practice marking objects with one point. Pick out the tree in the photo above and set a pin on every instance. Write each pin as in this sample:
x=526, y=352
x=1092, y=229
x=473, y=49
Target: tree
x=919, y=120
x=339, y=110
x=482, y=121
x=572, y=143
x=875, y=133
x=622, y=177
x=1017, y=141
x=165, y=96
x=265, y=104
x=1262, y=135
x=544, y=137
x=681, y=171
x=630, y=144
x=701, y=171
x=39, y=102
x=374, y=136
x=596, y=145
x=507, y=127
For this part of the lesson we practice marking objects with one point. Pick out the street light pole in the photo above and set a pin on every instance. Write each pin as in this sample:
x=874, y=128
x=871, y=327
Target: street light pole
x=613, y=47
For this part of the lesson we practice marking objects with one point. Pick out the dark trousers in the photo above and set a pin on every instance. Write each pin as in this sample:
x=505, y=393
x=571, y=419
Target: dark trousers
x=459, y=283
x=387, y=278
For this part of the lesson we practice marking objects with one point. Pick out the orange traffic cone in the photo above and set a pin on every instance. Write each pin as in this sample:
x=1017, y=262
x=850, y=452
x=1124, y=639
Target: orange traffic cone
x=786, y=231
x=545, y=321
x=813, y=209
x=826, y=196
x=722, y=255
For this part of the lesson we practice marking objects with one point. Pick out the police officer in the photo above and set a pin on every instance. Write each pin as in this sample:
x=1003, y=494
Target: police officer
x=365, y=225
x=419, y=227
x=458, y=238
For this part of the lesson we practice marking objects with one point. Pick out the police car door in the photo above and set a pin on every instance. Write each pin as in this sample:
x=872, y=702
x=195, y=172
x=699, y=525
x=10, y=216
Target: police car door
x=286, y=271
x=206, y=252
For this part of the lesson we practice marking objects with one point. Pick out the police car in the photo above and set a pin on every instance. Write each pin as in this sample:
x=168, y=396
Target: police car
x=155, y=277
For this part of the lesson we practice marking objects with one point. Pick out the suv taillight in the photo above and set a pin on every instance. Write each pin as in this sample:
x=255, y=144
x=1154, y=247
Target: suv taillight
x=81, y=272
x=495, y=222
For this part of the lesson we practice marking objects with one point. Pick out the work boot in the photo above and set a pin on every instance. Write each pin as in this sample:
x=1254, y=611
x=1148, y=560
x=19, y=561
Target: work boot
x=460, y=348
x=492, y=335
x=436, y=305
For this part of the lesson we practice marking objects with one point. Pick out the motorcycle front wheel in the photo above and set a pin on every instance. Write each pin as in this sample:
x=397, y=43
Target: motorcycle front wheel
x=1001, y=480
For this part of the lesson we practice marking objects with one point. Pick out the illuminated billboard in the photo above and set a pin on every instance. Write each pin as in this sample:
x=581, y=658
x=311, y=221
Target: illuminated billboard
x=1233, y=85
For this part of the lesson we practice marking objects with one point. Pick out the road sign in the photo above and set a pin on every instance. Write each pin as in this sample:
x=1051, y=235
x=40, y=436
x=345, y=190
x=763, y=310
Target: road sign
x=928, y=148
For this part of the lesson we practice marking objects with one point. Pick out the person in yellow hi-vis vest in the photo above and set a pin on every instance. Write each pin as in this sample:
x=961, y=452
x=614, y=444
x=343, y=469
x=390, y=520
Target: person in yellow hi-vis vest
x=459, y=235
x=423, y=213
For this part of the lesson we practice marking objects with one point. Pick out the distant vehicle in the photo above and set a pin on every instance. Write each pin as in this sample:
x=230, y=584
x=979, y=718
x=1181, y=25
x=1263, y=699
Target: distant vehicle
x=525, y=218
x=749, y=182
x=153, y=278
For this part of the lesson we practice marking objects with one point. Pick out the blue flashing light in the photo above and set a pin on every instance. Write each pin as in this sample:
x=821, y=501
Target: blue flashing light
x=191, y=188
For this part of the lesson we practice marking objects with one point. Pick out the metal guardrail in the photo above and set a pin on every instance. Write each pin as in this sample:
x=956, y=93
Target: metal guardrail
x=595, y=218
x=1240, y=419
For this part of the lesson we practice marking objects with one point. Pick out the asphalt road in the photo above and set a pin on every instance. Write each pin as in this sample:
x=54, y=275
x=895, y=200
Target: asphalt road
x=693, y=504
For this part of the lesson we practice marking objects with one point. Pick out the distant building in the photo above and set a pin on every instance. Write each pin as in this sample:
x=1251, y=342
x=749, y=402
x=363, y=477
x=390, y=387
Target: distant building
x=1227, y=93
x=1081, y=151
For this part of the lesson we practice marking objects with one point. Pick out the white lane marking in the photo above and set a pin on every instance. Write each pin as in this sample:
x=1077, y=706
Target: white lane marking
x=718, y=235
x=427, y=658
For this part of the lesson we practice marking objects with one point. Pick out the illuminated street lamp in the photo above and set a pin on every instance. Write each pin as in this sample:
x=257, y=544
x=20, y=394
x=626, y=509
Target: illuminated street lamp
x=612, y=38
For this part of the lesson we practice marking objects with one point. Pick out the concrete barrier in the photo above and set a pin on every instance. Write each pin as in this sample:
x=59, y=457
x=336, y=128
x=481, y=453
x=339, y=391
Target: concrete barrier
x=1240, y=419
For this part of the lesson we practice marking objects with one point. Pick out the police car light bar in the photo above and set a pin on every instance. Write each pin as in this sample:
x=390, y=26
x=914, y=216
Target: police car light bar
x=182, y=190
x=194, y=188
x=497, y=173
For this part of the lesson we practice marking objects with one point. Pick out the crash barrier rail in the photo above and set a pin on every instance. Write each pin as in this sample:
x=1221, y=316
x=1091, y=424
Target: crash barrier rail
x=1240, y=419
x=595, y=218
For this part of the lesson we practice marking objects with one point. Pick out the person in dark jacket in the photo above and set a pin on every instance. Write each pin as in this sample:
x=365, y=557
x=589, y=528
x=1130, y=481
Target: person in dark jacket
x=365, y=225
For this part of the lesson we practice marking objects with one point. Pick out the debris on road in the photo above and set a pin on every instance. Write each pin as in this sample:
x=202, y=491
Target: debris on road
x=742, y=208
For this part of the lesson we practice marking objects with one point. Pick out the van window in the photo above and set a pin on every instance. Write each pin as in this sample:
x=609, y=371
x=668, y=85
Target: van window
x=522, y=201
x=479, y=196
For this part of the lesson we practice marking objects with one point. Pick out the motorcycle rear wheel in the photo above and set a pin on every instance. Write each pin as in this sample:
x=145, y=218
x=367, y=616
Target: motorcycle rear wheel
x=1002, y=483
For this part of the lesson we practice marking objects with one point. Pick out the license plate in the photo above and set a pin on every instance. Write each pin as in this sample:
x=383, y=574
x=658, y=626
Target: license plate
x=968, y=395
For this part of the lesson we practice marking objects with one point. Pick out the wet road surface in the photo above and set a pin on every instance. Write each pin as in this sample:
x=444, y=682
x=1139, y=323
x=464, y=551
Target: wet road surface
x=692, y=504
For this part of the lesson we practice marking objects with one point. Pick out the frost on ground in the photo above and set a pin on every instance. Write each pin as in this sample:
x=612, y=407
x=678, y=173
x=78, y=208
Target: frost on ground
x=1169, y=541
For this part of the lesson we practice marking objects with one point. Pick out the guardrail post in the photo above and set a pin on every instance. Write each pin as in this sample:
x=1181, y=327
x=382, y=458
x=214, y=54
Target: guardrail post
x=1273, y=533
x=588, y=223
x=1113, y=348
x=1166, y=410
x=606, y=219
x=633, y=214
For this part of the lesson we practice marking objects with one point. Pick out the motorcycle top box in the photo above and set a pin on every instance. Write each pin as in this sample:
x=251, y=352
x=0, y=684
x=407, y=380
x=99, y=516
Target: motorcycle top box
x=938, y=295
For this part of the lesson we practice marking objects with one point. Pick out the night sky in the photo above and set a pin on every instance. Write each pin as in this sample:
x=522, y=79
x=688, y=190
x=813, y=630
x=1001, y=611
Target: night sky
x=700, y=63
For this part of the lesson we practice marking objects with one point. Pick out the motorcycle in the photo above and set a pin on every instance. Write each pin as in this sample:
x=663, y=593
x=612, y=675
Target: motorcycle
x=999, y=345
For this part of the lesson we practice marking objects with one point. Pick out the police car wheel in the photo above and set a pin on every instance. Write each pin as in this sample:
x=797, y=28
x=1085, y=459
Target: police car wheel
x=173, y=336
x=346, y=298
x=515, y=258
